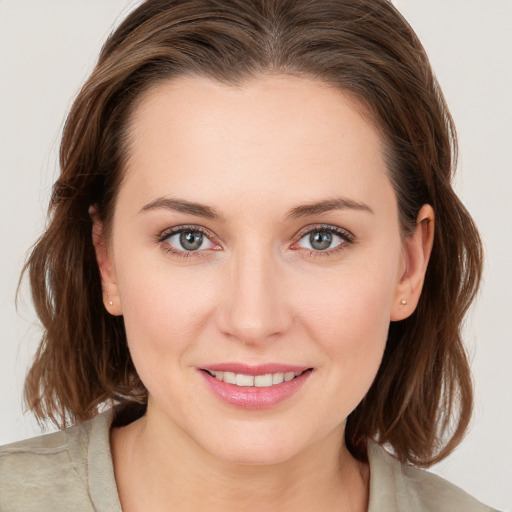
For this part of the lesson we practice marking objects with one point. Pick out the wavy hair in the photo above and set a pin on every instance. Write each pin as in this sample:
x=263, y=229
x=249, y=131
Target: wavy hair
x=420, y=402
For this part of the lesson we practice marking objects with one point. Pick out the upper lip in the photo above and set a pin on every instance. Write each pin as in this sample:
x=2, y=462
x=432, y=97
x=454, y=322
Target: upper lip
x=259, y=369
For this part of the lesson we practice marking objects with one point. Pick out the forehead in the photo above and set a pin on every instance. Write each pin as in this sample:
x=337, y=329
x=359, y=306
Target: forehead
x=272, y=133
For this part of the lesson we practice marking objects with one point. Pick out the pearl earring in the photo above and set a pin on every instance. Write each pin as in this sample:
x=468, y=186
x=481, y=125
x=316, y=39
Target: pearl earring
x=403, y=302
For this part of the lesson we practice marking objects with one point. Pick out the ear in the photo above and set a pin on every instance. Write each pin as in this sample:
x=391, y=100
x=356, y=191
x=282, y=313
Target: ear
x=416, y=254
x=111, y=298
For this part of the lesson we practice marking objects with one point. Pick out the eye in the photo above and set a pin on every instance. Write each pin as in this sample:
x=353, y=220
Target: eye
x=185, y=239
x=324, y=239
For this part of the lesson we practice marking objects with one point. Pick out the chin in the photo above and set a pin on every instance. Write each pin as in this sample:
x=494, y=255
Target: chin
x=260, y=455
x=265, y=446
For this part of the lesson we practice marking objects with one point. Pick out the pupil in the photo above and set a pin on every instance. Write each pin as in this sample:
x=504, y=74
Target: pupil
x=320, y=240
x=191, y=240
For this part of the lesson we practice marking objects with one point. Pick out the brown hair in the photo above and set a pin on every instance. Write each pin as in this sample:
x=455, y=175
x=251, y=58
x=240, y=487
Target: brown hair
x=420, y=402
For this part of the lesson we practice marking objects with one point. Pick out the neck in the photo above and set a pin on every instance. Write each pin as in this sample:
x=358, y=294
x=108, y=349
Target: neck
x=158, y=466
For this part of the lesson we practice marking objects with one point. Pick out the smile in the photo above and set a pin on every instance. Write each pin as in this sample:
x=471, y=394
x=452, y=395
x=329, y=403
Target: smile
x=259, y=381
x=256, y=387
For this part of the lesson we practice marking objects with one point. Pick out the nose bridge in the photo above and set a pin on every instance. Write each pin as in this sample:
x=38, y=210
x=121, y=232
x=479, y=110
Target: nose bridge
x=254, y=308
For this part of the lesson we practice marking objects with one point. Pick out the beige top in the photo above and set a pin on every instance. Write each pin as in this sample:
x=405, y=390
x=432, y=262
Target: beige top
x=72, y=470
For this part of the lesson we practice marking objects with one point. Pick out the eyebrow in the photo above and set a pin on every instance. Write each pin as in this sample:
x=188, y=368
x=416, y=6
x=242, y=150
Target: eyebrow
x=181, y=205
x=327, y=206
x=208, y=212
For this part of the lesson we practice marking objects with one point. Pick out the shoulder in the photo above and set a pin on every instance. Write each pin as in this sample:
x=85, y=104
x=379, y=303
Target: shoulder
x=403, y=487
x=52, y=472
x=46, y=471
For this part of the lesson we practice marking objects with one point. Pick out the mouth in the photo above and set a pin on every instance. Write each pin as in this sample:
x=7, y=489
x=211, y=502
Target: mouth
x=266, y=380
x=255, y=387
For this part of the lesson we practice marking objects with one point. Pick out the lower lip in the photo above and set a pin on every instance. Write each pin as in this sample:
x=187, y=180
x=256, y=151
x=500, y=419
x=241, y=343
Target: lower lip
x=253, y=397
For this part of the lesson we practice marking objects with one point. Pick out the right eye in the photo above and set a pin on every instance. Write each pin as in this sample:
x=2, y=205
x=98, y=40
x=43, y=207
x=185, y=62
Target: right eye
x=186, y=240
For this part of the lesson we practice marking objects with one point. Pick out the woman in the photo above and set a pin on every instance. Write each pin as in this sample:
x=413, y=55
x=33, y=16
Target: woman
x=248, y=236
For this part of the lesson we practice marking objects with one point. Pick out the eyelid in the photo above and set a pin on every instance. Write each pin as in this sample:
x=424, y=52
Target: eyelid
x=342, y=232
x=166, y=233
x=347, y=237
x=175, y=230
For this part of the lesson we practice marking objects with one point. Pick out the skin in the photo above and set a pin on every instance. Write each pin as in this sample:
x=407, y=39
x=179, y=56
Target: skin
x=256, y=291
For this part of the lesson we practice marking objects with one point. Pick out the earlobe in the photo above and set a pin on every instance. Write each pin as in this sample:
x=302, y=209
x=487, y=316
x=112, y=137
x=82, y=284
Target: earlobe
x=417, y=249
x=107, y=272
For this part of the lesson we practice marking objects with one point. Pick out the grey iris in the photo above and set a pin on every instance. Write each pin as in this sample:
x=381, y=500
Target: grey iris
x=320, y=240
x=191, y=240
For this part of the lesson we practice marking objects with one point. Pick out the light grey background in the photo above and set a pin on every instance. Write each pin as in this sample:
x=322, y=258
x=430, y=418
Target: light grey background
x=46, y=51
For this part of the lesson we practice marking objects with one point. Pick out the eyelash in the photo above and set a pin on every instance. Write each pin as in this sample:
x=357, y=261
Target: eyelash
x=163, y=237
x=345, y=235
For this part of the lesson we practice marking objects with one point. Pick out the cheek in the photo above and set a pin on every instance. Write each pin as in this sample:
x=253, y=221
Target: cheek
x=353, y=299
x=164, y=309
x=349, y=318
x=351, y=323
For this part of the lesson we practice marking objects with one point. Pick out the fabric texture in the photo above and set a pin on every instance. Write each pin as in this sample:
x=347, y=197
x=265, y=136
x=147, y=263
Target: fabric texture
x=72, y=470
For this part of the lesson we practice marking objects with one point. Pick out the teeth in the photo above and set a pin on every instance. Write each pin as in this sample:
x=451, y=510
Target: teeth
x=244, y=380
x=228, y=377
x=259, y=381
x=277, y=378
x=289, y=376
x=263, y=381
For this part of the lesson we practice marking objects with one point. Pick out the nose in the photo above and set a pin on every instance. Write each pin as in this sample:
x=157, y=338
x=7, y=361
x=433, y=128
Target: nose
x=254, y=308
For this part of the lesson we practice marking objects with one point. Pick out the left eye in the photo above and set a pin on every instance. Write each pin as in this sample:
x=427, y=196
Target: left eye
x=189, y=240
x=321, y=240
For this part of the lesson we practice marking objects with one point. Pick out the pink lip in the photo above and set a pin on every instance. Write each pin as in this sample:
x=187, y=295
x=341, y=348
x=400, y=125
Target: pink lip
x=253, y=397
x=260, y=369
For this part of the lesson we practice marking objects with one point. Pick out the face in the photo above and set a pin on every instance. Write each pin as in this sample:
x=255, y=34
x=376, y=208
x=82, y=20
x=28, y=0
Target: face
x=256, y=257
